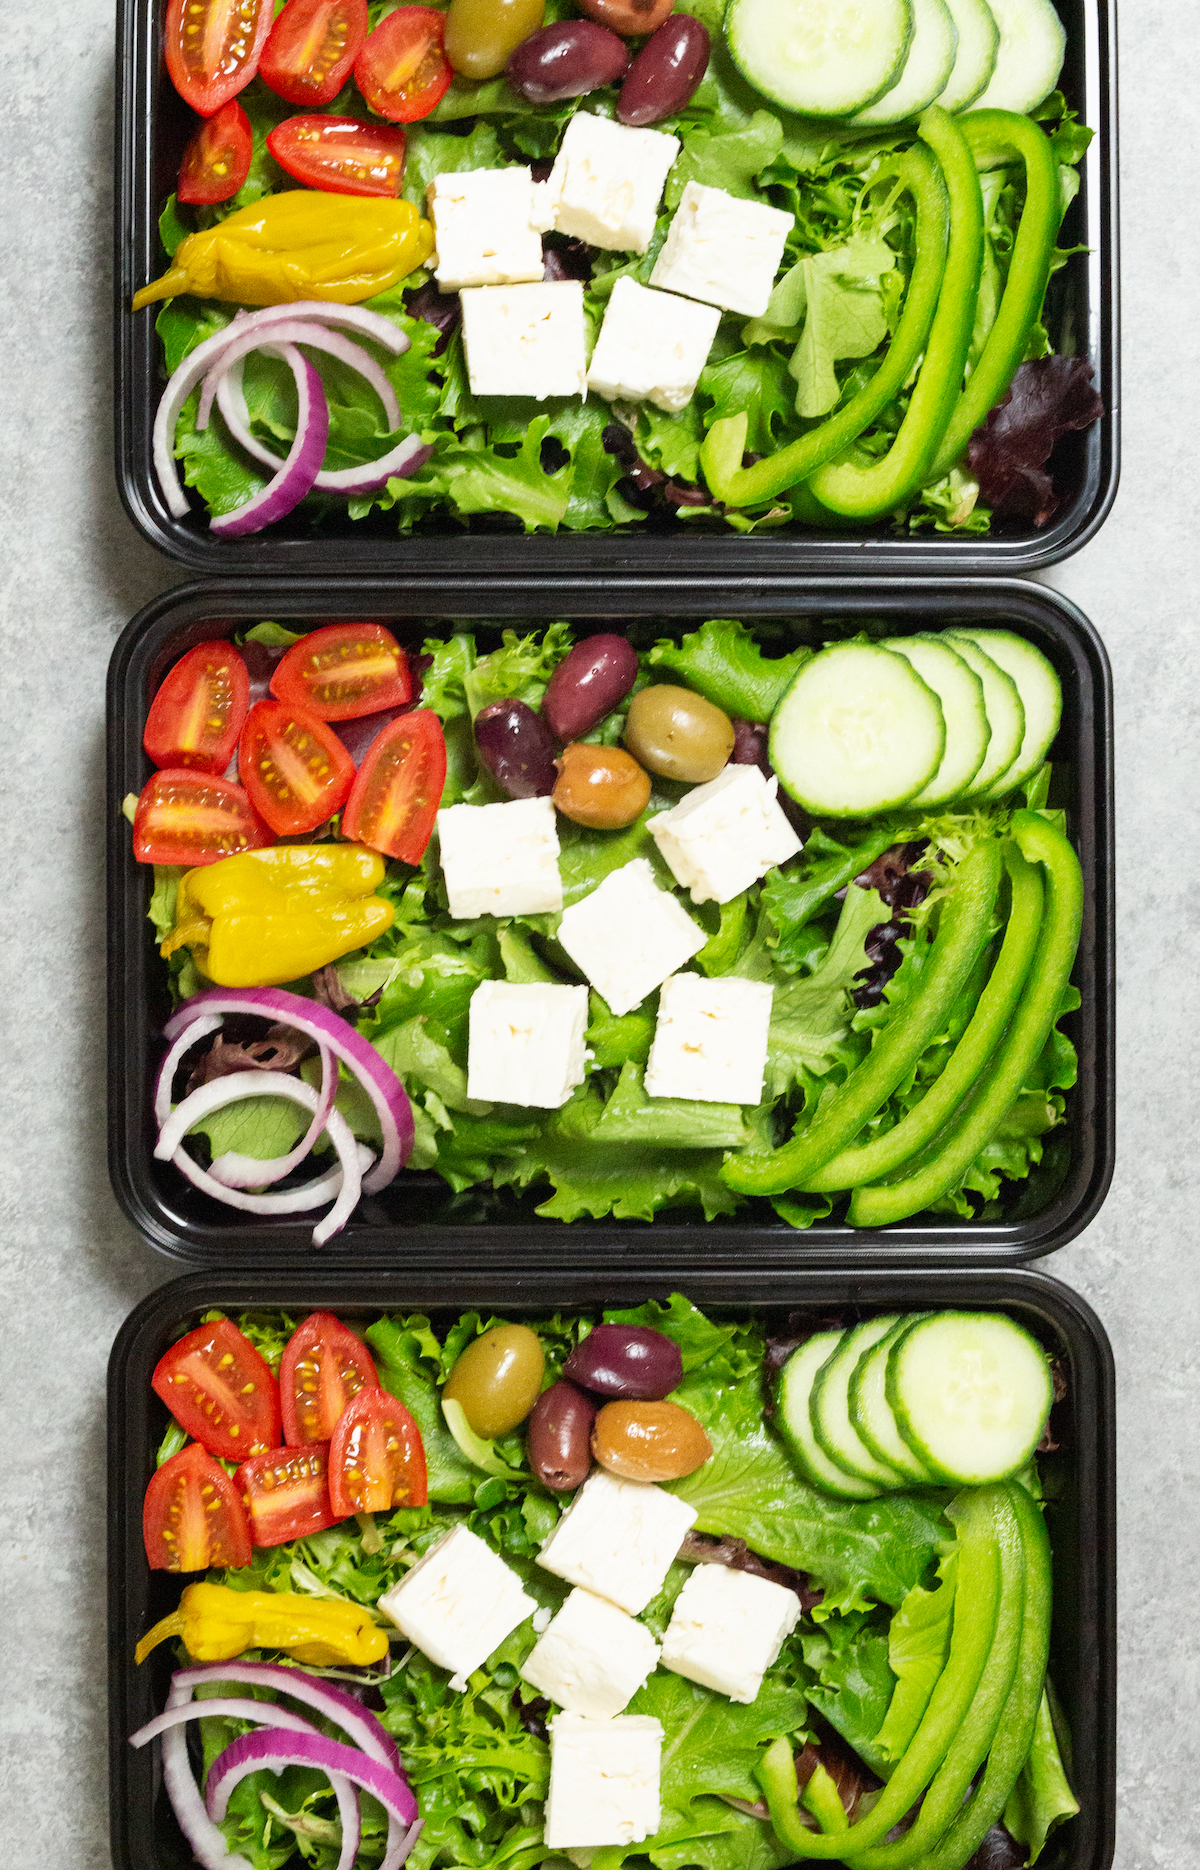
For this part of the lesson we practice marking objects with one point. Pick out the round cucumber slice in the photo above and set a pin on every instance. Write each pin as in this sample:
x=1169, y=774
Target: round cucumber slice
x=829, y=1408
x=1041, y=697
x=1029, y=57
x=823, y=58
x=960, y=692
x=927, y=68
x=857, y=732
x=795, y=1423
x=975, y=60
x=1006, y=715
x=971, y=1394
x=871, y=1414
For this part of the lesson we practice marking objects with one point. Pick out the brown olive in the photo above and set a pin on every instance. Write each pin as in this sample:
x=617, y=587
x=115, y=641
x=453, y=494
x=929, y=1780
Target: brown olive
x=497, y=1379
x=678, y=734
x=649, y=1440
x=601, y=787
x=628, y=17
x=559, y=1437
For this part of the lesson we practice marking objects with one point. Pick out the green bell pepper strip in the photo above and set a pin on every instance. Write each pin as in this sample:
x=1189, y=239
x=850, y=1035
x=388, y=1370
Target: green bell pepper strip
x=963, y=933
x=951, y=1155
x=822, y=1799
x=867, y=1162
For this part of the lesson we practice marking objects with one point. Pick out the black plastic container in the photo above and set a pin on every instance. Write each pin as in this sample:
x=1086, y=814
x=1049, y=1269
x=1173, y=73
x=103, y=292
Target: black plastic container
x=152, y=130
x=1080, y=1480
x=417, y=1214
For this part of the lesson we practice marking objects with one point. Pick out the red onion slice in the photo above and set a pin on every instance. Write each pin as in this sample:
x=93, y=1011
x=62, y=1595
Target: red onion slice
x=236, y=1171
x=363, y=1727
x=236, y=1709
x=404, y=459
x=226, y=374
x=250, y=1753
x=210, y=1847
x=295, y=478
x=170, y=1065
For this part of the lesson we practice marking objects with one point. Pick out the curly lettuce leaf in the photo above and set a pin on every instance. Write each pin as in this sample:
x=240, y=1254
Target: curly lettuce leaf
x=849, y=1655
x=1042, y=1798
x=918, y=1644
x=723, y=662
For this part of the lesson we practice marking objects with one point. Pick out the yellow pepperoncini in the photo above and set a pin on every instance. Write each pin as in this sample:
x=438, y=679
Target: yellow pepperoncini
x=217, y=1623
x=300, y=245
x=264, y=917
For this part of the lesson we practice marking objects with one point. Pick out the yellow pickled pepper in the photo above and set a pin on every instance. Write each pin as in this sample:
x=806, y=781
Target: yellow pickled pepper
x=217, y=1623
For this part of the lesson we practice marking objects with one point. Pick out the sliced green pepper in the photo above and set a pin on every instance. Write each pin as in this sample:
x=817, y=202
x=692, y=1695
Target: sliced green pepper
x=822, y=1798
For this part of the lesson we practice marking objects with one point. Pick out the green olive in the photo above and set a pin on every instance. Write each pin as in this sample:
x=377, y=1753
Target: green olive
x=482, y=35
x=498, y=1379
x=678, y=734
x=603, y=787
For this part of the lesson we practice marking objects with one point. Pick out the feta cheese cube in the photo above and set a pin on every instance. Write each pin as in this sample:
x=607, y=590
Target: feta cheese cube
x=458, y=1603
x=710, y=1042
x=723, y=250
x=500, y=860
x=726, y=1629
x=607, y=182
x=526, y=340
x=652, y=346
x=525, y=1043
x=604, y=1780
x=593, y=1658
x=618, y=1538
x=486, y=227
x=725, y=834
x=628, y=935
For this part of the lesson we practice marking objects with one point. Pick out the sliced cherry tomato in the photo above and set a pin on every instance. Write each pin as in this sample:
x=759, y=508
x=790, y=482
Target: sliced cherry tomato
x=220, y=1390
x=402, y=70
x=217, y=160
x=184, y=817
x=376, y=1457
x=341, y=155
x=286, y=1493
x=344, y=670
x=212, y=48
x=323, y=1368
x=312, y=48
x=395, y=798
x=294, y=768
x=193, y=1515
x=197, y=714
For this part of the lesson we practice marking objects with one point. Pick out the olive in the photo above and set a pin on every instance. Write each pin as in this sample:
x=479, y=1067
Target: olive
x=649, y=1440
x=665, y=72
x=600, y=786
x=566, y=60
x=588, y=684
x=628, y=16
x=629, y=1361
x=560, y=1437
x=678, y=734
x=497, y=1379
x=750, y=746
x=514, y=744
x=482, y=35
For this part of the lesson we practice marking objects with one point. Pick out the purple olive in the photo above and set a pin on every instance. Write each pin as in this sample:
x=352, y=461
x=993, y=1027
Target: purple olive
x=515, y=746
x=665, y=72
x=560, y=1437
x=626, y=1361
x=566, y=61
x=588, y=684
x=750, y=746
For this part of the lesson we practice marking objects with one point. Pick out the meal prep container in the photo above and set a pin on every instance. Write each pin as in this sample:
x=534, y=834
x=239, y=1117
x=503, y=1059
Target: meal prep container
x=153, y=127
x=1079, y=1476
x=417, y=1214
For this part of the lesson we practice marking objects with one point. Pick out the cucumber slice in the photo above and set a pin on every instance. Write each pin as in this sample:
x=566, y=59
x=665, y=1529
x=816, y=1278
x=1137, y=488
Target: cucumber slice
x=927, y=68
x=823, y=58
x=795, y=1423
x=971, y=1393
x=1029, y=58
x=1006, y=715
x=975, y=61
x=1041, y=697
x=960, y=692
x=829, y=1408
x=858, y=732
x=870, y=1413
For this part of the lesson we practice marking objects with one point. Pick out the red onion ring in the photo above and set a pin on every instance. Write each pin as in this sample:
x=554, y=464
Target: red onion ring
x=336, y=1704
x=236, y=1171
x=251, y=1752
x=335, y=345
x=170, y=1065
x=295, y=478
x=399, y=462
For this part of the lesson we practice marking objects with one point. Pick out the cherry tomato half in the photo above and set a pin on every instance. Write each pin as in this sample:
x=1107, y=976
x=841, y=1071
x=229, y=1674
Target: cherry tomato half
x=324, y=1367
x=193, y=1516
x=394, y=800
x=220, y=1390
x=286, y=1493
x=217, y=160
x=341, y=155
x=402, y=70
x=295, y=769
x=212, y=48
x=312, y=48
x=343, y=671
x=185, y=817
x=376, y=1457
x=197, y=714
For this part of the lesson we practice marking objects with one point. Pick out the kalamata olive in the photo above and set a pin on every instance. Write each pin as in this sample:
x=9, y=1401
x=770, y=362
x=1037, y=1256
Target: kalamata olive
x=628, y=17
x=629, y=1361
x=678, y=734
x=750, y=746
x=482, y=35
x=566, y=60
x=560, y=1437
x=515, y=745
x=603, y=787
x=497, y=1379
x=665, y=72
x=588, y=684
x=649, y=1440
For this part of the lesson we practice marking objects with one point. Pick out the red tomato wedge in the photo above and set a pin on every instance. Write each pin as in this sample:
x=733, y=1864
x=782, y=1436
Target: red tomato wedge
x=341, y=155
x=193, y=1515
x=312, y=48
x=395, y=798
x=197, y=714
x=286, y=1493
x=220, y=1390
x=376, y=1457
x=324, y=1367
x=194, y=818
x=217, y=160
x=295, y=769
x=402, y=70
x=212, y=48
x=344, y=670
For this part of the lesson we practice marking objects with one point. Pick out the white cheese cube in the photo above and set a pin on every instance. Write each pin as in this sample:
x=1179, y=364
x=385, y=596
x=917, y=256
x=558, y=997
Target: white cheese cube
x=652, y=347
x=604, y=1781
x=525, y=1043
x=618, y=1538
x=500, y=860
x=725, y=834
x=607, y=182
x=485, y=222
x=458, y=1603
x=526, y=340
x=710, y=1042
x=593, y=1658
x=723, y=250
x=628, y=935
x=726, y=1629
